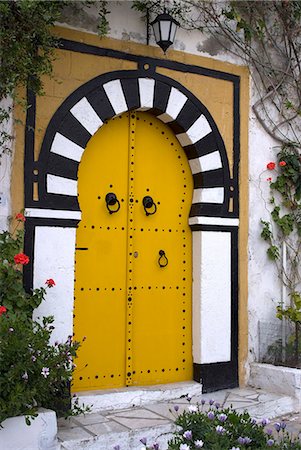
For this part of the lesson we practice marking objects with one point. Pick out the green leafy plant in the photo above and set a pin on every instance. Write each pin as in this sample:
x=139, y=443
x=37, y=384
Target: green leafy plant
x=284, y=230
x=27, y=49
x=33, y=372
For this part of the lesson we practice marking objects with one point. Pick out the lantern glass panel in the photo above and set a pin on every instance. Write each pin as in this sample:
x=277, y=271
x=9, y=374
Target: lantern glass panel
x=173, y=32
x=165, y=28
x=156, y=29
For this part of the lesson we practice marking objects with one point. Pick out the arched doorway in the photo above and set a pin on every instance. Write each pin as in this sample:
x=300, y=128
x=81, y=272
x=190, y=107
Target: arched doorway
x=133, y=256
x=53, y=216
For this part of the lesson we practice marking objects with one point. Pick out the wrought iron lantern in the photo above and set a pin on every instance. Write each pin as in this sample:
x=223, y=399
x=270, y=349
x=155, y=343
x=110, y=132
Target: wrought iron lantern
x=165, y=28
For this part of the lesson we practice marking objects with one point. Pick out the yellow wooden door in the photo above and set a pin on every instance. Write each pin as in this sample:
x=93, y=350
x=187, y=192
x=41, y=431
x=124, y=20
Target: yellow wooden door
x=133, y=257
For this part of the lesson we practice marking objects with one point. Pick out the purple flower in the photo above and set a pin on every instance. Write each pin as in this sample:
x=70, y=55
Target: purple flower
x=264, y=422
x=211, y=415
x=184, y=447
x=176, y=408
x=155, y=446
x=117, y=447
x=211, y=402
x=253, y=421
x=247, y=440
x=203, y=401
x=33, y=358
x=217, y=405
x=143, y=440
x=220, y=430
x=192, y=408
x=241, y=440
x=199, y=443
x=188, y=435
x=277, y=426
x=25, y=376
x=270, y=442
x=45, y=372
x=222, y=417
x=283, y=425
x=269, y=431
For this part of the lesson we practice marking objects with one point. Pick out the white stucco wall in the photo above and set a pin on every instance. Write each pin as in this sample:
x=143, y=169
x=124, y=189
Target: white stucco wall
x=5, y=174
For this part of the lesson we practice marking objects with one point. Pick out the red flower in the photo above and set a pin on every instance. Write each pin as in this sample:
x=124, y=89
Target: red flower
x=271, y=166
x=269, y=179
x=50, y=283
x=2, y=310
x=282, y=163
x=20, y=217
x=21, y=258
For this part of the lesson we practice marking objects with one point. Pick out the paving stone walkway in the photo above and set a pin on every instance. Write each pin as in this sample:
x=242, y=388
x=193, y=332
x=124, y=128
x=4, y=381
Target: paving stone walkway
x=103, y=430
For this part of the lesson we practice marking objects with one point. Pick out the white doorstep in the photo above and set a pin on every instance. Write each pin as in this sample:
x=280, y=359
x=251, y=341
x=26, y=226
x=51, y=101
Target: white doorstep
x=113, y=399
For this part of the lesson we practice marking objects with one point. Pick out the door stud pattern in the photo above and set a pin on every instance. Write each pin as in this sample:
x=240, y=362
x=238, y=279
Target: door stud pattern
x=133, y=283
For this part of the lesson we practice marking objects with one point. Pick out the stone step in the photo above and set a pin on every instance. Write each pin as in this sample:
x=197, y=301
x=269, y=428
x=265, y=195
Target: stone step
x=128, y=440
x=137, y=396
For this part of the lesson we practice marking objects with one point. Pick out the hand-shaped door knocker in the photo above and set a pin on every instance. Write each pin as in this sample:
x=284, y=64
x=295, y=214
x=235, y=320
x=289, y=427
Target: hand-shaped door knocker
x=112, y=203
x=163, y=261
x=149, y=205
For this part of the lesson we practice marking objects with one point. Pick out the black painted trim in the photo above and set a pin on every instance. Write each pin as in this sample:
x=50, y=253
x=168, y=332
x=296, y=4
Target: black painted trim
x=79, y=47
x=29, y=238
x=29, y=149
x=73, y=130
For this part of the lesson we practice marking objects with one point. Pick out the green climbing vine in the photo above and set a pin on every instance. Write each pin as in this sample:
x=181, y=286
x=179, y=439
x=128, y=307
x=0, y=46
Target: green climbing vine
x=27, y=49
x=283, y=235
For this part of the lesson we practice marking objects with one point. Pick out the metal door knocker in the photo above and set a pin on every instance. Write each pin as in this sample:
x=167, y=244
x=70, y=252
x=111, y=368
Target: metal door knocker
x=112, y=202
x=163, y=261
x=149, y=205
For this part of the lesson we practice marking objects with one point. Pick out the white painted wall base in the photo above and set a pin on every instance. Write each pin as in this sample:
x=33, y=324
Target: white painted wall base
x=282, y=380
x=40, y=435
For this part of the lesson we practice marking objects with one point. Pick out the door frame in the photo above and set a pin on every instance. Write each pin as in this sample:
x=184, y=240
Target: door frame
x=214, y=227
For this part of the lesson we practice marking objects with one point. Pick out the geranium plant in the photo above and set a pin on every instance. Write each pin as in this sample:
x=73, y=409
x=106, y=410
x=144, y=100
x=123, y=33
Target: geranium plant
x=33, y=372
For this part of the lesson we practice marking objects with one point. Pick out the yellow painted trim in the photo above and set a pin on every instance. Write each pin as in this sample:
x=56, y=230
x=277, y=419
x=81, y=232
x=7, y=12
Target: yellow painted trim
x=17, y=176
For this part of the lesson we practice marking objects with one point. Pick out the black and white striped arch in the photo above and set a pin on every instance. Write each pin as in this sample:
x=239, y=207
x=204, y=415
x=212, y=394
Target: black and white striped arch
x=106, y=96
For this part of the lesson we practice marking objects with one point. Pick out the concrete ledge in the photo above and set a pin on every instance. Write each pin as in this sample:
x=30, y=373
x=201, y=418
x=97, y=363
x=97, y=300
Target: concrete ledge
x=137, y=396
x=40, y=435
x=282, y=380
